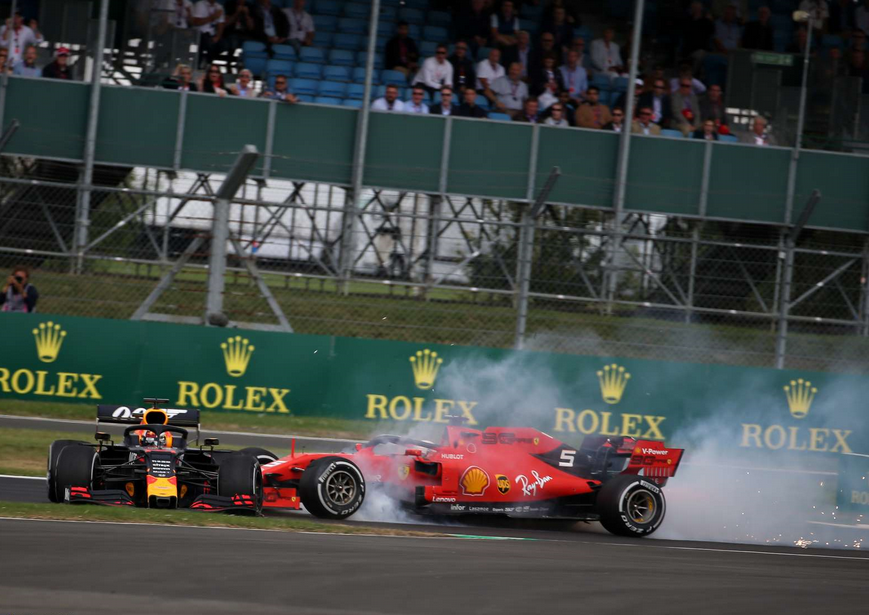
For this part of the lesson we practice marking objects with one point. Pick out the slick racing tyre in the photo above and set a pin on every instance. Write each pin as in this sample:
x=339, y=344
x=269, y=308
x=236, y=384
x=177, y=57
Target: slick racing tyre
x=51, y=474
x=332, y=488
x=241, y=475
x=631, y=506
x=76, y=467
x=262, y=455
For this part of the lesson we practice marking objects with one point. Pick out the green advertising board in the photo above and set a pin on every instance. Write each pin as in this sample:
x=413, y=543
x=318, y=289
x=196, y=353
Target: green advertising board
x=83, y=360
x=853, y=484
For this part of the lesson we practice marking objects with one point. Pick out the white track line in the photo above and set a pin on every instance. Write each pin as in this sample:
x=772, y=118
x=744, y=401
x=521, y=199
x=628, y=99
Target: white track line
x=24, y=477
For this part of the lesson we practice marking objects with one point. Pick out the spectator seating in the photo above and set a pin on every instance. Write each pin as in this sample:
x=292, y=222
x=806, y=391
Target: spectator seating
x=336, y=73
x=357, y=10
x=332, y=88
x=342, y=57
x=500, y=116
x=327, y=100
x=349, y=24
x=353, y=102
x=393, y=77
x=669, y=132
x=312, y=54
x=303, y=86
x=351, y=42
x=728, y=138
x=307, y=70
x=283, y=52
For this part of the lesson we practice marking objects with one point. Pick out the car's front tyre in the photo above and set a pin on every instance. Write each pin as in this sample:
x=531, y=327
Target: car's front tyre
x=241, y=475
x=332, y=488
x=51, y=473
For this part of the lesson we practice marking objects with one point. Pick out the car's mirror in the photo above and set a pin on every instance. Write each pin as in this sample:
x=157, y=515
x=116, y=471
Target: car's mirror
x=211, y=441
x=102, y=436
x=413, y=452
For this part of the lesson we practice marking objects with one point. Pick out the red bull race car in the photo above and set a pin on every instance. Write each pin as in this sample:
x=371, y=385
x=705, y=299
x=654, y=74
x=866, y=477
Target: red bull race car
x=517, y=472
x=153, y=466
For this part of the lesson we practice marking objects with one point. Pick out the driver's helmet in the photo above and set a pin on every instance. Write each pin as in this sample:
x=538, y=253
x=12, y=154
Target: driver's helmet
x=149, y=438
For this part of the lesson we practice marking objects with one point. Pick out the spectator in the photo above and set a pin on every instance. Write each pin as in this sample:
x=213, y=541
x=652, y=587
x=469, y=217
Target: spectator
x=708, y=132
x=574, y=77
x=238, y=25
x=547, y=46
x=529, y=113
x=5, y=65
x=801, y=39
x=727, y=31
x=569, y=106
x=416, y=104
x=560, y=29
x=556, y=116
x=507, y=94
x=281, y=91
x=758, y=135
x=181, y=79
x=819, y=12
x=401, y=52
x=18, y=37
x=861, y=17
x=618, y=120
x=584, y=58
x=178, y=14
x=464, y=75
x=697, y=33
x=301, y=26
x=445, y=106
x=212, y=82
x=271, y=25
x=545, y=76
x=244, y=86
x=842, y=13
x=622, y=100
x=659, y=102
x=520, y=53
x=605, y=56
x=503, y=26
x=59, y=69
x=473, y=25
x=19, y=295
x=712, y=106
x=857, y=67
x=549, y=96
x=858, y=39
x=570, y=6
x=685, y=72
x=657, y=73
x=593, y=114
x=469, y=106
x=389, y=102
x=489, y=70
x=436, y=72
x=758, y=34
x=208, y=17
x=644, y=125
x=27, y=66
x=686, y=111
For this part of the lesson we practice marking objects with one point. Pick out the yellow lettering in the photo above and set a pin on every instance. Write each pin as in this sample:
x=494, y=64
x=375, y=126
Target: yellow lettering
x=278, y=400
x=580, y=422
x=254, y=398
x=401, y=399
x=792, y=445
x=653, y=433
x=213, y=391
x=376, y=403
x=65, y=382
x=841, y=436
x=40, y=384
x=859, y=497
x=855, y=497
x=750, y=431
x=629, y=425
x=90, y=386
x=816, y=437
x=417, y=410
x=605, y=425
x=230, y=397
x=187, y=394
x=4, y=379
x=767, y=437
x=564, y=417
x=466, y=407
x=442, y=407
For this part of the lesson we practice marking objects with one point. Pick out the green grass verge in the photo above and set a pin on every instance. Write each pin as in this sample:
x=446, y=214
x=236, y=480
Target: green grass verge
x=189, y=518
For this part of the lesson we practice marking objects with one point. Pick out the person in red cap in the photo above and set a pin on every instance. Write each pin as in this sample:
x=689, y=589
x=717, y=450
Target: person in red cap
x=59, y=69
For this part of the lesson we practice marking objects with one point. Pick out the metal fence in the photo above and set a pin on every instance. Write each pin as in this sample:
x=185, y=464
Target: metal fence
x=434, y=269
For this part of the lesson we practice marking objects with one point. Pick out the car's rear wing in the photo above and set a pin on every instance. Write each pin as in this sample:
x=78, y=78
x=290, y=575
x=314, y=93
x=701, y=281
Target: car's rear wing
x=651, y=458
x=132, y=415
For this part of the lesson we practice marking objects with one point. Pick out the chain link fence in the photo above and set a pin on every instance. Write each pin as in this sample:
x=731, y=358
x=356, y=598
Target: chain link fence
x=439, y=269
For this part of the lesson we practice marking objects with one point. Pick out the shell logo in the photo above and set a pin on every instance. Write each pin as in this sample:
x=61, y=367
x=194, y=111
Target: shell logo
x=474, y=481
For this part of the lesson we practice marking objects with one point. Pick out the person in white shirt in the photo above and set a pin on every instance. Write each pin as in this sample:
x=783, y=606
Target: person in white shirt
x=489, y=70
x=758, y=134
x=415, y=104
x=549, y=96
x=605, y=56
x=16, y=37
x=556, y=117
x=445, y=106
x=436, y=72
x=178, y=14
x=508, y=94
x=208, y=17
x=244, y=86
x=301, y=26
x=819, y=11
x=389, y=102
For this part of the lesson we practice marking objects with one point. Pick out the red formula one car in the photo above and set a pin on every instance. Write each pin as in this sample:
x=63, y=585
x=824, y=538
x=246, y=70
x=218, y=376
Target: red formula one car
x=517, y=472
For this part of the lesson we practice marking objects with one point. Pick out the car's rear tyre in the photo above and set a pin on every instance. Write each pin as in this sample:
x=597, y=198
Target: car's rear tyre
x=51, y=472
x=262, y=455
x=77, y=466
x=631, y=506
x=241, y=475
x=332, y=488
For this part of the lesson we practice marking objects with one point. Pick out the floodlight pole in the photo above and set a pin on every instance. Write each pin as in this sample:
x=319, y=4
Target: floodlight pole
x=801, y=116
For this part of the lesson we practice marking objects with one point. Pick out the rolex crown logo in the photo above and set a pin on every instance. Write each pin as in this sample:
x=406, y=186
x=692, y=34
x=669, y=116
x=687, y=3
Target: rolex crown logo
x=49, y=339
x=236, y=355
x=613, y=380
x=425, y=368
x=800, y=395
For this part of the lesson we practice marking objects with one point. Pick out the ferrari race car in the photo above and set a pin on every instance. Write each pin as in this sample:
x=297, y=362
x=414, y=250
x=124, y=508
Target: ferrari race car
x=154, y=467
x=517, y=472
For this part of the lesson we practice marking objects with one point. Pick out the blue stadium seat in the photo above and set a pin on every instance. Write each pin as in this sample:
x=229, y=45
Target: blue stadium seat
x=361, y=58
x=414, y=31
x=620, y=84
x=279, y=67
x=359, y=75
x=427, y=49
x=332, y=88
x=352, y=102
x=327, y=100
x=303, y=86
x=583, y=32
x=483, y=53
x=483, y=103
x=341, y=57
x=349, y=24
x=500, y=116
x=312, y=54
x=254, y=57
x=356, y=91
x=417, y=4
x=667, y=132
x=601, y=81
x=435, y=33
x=393, y=77
x=283, y=52
x=306, y=70
x=359, y=11
x=728, y=138
x=411, y=16
x=328, y=7
x=305, y=98
x=323, y=39
x=351, y=42
x=829, y=41
x=336, y=73
x=388, y=14
x=439, y=18
x=378, y=92
x=326, y=23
